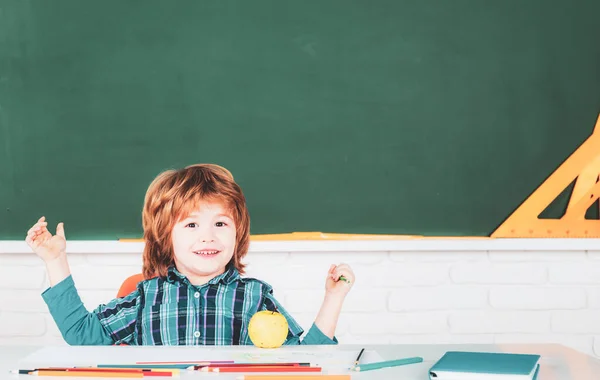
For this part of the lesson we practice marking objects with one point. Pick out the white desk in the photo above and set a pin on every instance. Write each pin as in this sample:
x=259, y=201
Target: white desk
x=557, y=363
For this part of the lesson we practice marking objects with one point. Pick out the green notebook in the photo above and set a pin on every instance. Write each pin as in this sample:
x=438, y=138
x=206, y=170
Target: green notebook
x=458, y=365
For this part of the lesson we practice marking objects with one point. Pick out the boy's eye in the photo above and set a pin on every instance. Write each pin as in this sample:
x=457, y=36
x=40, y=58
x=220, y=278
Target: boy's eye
x=220, y=224
x=192, y=225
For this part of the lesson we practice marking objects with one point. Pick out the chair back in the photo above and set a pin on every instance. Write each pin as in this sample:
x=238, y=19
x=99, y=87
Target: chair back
x=129, y=285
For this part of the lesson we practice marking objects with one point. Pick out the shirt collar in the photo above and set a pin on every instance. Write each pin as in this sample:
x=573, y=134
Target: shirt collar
x=230, y=275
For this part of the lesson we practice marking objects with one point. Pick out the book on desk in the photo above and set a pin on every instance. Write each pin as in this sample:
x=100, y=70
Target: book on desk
x=458, y=365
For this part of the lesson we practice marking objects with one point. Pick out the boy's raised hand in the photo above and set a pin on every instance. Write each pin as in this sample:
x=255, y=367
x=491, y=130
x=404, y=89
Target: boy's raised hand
x=47, y=246
x=340, y=279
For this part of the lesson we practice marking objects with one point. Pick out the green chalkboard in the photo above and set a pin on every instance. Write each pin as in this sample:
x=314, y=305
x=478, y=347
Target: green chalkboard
x=430, y=117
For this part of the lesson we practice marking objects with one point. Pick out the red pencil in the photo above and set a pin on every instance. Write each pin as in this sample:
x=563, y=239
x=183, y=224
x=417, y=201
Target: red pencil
x=262, y=369
x=255, y=364
x=294, y=377
x=93, y=369
x=196, y=362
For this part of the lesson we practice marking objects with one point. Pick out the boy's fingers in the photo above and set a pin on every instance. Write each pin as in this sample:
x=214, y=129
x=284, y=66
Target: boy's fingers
x=331, y=271
x=347, y=276
x=38, y=224
x=343, y=265
x=34, y=228
x=60, y=230
x=31, y=242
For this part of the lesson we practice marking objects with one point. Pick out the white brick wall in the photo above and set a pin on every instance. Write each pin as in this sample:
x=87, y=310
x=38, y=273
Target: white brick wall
x=399, y=297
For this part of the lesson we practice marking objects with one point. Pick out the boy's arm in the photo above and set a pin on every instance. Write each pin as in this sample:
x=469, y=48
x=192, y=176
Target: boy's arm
x=58, y=269
x=328, y=315
x=340, y=279
x=314, y=335
x=112, y=323
x=108, y=324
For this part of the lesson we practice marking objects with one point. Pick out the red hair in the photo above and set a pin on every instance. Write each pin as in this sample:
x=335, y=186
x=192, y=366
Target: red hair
x=173, y=195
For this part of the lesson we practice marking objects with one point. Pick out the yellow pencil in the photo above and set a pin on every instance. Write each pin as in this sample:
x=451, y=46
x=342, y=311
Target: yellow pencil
x=174, y=371
x=87, y=374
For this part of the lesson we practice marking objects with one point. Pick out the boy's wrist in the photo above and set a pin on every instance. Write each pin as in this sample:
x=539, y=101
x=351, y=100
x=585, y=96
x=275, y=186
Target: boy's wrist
x=334, y=297
x=58, y=269
x=62, y=255
x=58, y=261
x=329, y=313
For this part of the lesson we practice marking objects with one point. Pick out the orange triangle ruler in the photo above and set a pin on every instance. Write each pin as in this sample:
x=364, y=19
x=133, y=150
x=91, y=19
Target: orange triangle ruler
x=583, y=166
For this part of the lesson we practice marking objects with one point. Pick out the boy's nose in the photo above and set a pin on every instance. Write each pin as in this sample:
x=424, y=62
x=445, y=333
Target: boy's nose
x=206, y=237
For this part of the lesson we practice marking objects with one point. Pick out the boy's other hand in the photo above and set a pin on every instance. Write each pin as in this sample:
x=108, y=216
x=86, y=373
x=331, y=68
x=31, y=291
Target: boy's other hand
x=340, y=279
x=47, y=246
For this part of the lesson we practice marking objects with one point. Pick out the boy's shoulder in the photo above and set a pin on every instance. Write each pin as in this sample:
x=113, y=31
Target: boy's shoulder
x=144, y=284
x=154, y=283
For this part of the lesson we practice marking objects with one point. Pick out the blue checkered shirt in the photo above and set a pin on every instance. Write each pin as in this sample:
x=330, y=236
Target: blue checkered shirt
x=172, y=311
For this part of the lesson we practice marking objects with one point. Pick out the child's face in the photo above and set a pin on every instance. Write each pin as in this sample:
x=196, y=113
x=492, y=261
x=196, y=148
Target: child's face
x=204, y=242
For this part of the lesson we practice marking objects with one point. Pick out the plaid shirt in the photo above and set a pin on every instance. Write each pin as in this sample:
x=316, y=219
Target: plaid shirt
x=172, y=311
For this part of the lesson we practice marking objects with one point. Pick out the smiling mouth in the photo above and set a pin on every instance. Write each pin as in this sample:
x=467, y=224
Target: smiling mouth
x=206, y=253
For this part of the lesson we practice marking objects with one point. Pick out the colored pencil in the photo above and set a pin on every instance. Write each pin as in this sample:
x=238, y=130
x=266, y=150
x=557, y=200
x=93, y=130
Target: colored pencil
x=27, y=371
x=162, y=374
x=387, y=363
x=196, y=362
x=146, y=366
x=145, y=372
x=294, y=377
x=174, y=371
x=88, y=374
x=91, y=369
x=262, y=369
x=256, y=364
x=358, y=357
x=87, y=370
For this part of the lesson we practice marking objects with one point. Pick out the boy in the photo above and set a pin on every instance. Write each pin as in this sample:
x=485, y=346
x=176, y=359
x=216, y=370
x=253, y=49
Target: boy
x=196, y=232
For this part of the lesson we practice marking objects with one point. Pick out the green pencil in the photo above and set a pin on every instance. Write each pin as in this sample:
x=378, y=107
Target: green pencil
x=388, y=363
x=342, y=278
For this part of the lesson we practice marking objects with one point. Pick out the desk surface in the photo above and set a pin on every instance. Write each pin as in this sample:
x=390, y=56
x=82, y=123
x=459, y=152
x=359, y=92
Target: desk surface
x=557, y=363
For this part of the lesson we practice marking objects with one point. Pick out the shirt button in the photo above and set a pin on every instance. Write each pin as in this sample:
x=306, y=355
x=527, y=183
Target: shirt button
x=197, y=294
x=197, y=334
